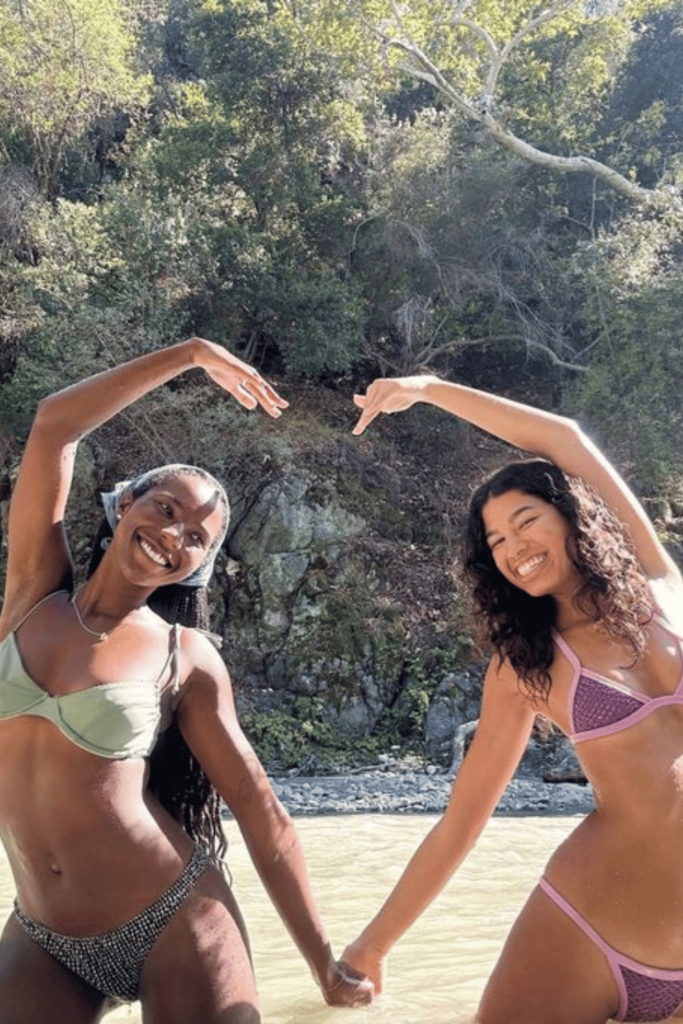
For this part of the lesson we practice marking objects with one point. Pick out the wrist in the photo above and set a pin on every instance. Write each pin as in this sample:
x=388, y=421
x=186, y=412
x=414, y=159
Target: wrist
x=374, y=942
x=324, y=969
x=196, y=350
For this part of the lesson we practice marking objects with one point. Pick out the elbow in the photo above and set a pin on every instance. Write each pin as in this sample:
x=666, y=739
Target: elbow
x=562, y=436
x=49, y=423
x=47, y=417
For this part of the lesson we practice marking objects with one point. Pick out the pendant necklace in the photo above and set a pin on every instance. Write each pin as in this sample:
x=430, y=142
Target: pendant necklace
x=81, y=623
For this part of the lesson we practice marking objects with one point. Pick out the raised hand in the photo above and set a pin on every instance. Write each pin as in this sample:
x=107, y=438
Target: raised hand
x=242, y=381
x=389, y=394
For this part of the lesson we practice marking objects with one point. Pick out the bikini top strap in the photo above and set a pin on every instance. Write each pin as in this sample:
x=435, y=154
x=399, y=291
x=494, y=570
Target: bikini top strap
x=175, y=659
x=569, y=654
x=36, y=606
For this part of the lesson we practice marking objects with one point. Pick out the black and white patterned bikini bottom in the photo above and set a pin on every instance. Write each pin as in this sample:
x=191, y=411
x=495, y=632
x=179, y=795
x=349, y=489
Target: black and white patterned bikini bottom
x=112, y=962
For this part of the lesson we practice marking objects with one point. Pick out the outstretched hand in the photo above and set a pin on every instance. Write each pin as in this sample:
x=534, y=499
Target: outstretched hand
x=389, y=394
x=350, y=988
x=242, y=381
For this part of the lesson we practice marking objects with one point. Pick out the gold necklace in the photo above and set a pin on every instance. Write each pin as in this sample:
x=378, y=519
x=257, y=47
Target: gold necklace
x=81, y=623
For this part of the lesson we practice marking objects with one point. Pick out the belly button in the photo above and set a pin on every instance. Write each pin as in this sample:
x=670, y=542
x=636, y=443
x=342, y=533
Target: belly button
x=55, y=869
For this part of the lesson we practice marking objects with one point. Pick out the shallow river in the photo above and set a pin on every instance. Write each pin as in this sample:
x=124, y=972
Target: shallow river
x=438, y=970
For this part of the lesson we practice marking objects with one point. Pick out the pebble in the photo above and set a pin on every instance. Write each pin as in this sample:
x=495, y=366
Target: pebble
x=419, y=792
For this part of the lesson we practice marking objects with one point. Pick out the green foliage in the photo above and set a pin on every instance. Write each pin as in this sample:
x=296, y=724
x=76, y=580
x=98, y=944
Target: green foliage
x=464, y=258
x=289, y=183
x=298, y=734
x=632, y=285
x=64, y=68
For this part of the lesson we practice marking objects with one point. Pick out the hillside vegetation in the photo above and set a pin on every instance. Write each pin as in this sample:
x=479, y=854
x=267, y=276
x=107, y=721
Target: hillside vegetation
x=489, y=190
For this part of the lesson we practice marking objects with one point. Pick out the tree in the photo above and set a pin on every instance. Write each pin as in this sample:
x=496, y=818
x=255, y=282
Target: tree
x=262, y=147
x=470, y=54
x=65, y=65
x=457, y=253
x=627, y=285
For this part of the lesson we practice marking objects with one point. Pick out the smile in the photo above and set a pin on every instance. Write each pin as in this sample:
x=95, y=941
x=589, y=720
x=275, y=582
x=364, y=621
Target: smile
x=531, y=564
x=154, y=555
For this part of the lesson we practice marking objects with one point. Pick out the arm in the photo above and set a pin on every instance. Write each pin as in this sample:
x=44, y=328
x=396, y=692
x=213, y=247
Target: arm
x=501, y=738
x=38, y=553
x=543, y=433
x=208, y=720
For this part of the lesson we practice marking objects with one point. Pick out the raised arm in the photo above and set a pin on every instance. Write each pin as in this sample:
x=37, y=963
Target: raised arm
x=38, y=558
x=553, y=437
x=502, y=734
x=208, y=721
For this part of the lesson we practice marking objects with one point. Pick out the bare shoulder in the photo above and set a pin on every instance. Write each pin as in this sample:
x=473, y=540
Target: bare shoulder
x=502, y=681
x=201, y=663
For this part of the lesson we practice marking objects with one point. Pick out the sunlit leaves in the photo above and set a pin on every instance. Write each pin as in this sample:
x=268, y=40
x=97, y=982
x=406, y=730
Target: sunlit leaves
x=64, y=65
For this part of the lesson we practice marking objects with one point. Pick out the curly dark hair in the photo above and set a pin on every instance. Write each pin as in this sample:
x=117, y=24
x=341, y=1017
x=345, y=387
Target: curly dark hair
x=176, y=778
x=614, y=592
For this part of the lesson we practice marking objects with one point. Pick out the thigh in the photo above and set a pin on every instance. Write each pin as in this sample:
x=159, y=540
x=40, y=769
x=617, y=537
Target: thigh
x=549, y=972
x=200, y=968
x=35, y=987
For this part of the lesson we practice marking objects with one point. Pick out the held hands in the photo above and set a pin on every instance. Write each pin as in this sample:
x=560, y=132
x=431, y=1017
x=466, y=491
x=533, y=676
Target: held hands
x=347, y=987
x=367, y=960
x=390, y=394
x=242, y=381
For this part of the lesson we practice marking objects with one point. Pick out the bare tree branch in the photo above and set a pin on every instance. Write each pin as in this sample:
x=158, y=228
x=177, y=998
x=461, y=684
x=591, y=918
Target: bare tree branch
x=419, y=65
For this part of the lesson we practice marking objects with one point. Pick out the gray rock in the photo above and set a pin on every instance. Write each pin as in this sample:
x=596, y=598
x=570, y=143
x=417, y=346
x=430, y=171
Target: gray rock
x=415, y=792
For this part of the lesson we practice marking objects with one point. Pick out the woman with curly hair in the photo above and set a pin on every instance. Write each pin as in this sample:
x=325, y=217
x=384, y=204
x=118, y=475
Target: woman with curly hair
x=119, y=736
x=582, y=607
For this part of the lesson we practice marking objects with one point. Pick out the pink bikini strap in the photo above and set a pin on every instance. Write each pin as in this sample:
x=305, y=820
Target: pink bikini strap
x=569, y=654
x=588, y=930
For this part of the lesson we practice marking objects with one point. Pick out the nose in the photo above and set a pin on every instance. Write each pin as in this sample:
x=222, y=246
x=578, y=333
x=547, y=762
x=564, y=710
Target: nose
x=516, y=545
x=173, y=533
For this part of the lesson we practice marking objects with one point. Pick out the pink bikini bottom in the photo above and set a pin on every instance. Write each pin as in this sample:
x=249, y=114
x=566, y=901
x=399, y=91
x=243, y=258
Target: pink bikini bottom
x=645, y=993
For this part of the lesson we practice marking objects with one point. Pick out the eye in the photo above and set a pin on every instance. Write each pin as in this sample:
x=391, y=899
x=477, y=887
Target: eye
x=166, y=508
x=528, y=522
x=198, y=540
x=493, y=544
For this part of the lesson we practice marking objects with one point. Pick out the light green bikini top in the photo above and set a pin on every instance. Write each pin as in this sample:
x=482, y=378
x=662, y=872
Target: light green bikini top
x=115, y=720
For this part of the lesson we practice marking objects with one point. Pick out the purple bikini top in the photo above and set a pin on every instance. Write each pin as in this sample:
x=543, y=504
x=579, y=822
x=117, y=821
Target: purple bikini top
x=600, y=706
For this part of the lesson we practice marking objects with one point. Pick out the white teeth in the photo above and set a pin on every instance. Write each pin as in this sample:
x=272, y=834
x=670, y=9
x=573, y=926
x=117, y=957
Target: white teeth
x=151, y=553
x=528, y=567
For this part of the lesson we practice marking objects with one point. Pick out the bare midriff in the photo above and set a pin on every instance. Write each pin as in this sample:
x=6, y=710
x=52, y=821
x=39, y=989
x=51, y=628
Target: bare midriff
x=88, y=846
x=622, y=867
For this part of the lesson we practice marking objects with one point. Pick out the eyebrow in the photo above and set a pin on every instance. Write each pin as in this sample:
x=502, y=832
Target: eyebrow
x=511, y=518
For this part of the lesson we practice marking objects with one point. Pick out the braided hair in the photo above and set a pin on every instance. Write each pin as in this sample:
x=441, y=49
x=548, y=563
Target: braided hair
x=176, y=777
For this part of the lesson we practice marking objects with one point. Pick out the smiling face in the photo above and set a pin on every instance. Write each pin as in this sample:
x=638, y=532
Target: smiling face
x=166, y=533
x=527, y=537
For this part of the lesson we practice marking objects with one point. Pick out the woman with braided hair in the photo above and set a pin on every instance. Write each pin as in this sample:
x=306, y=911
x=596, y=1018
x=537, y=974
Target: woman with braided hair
x=119, y=736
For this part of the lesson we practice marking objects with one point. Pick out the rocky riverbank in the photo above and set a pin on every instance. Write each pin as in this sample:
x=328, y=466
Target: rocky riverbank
x=419, y=792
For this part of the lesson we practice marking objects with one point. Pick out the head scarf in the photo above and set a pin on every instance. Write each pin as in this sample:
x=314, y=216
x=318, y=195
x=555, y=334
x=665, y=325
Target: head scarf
x=110, y=502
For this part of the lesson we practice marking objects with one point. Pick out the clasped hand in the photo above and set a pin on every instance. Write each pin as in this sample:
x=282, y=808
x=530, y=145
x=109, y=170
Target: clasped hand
x=350, y=988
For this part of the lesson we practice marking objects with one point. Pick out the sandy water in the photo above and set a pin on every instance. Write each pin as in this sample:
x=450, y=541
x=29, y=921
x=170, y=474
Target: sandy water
x=438, y=970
